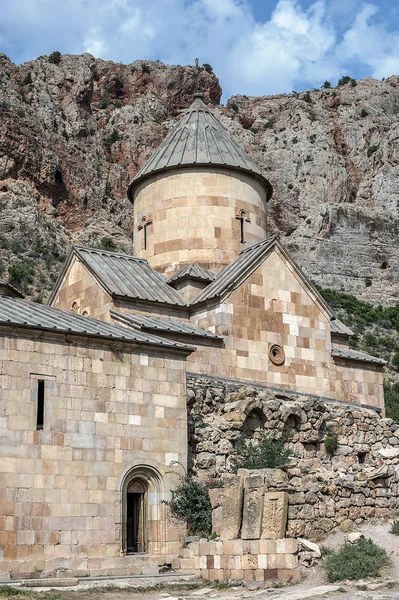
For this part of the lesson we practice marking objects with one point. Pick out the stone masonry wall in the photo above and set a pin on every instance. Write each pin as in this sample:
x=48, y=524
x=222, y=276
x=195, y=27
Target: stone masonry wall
x=108, y=411
x=359, y=481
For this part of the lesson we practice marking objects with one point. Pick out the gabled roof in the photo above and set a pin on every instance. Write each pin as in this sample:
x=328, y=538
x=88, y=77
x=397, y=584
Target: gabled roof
x=336, y=326
x=191, y=271
x=25, y=314
x=125, y=276
x=355, y=355
x=249, y=259
x=150, y=323
x=199, y=139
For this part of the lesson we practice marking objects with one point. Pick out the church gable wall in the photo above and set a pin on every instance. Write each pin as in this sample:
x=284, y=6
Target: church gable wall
x=275, y=307
x=80, y=292
x=106, y=411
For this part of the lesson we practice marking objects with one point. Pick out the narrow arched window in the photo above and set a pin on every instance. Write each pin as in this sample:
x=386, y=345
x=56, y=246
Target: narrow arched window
x=243, y=217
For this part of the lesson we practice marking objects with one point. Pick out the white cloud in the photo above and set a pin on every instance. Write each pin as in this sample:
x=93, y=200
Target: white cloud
x=292, y=48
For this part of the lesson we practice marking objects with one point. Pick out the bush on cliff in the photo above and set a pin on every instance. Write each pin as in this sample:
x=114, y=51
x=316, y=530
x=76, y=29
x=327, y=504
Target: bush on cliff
x=356, y=561
x=190, y=503
x=266, y=452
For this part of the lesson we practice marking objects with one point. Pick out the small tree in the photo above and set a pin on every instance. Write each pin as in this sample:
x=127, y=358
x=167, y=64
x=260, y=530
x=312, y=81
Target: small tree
x=55, y=57
x=145, y=68
x=346, y=79
x=266, y=452
x=363, y=113
x=326, y=85
x=190, y=503
x=28, y=79
x=208, y=68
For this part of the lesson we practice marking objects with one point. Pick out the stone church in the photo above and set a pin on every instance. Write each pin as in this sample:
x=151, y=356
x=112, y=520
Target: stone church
x=93, y=419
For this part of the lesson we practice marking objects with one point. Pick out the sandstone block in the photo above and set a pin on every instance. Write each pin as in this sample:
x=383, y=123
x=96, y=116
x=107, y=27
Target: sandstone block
x=232, y=506
x=275, y=511
x=252, y=513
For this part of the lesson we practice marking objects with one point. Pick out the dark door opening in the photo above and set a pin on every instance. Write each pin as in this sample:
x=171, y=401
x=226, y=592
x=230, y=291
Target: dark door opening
x=135, y=535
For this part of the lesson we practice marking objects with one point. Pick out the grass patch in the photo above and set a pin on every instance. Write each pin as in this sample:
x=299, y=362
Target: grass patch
x=356, y=561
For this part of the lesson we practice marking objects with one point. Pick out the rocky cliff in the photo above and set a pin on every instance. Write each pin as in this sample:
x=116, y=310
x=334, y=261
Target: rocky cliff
x=74, y=130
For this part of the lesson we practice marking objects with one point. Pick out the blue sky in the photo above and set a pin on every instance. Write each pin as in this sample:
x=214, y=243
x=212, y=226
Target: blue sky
x=256, y=47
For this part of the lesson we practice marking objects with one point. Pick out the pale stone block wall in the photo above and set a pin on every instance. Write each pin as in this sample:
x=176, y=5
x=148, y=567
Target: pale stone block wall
x=241, y=560
x=61, y=488
x=273, y=306
x=193, y=217
x=79, y=291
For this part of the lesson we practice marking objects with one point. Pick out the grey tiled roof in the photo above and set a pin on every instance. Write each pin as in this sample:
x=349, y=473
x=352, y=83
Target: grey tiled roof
x=230, y=277
x=128, y=276
x=355, y=355
x=199, y=139
x=21, y=313
x=336, y=326
x=192, y=271
x=150, y=323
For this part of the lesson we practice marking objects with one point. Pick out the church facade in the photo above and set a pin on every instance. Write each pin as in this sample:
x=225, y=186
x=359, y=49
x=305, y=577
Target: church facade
x=93, y=396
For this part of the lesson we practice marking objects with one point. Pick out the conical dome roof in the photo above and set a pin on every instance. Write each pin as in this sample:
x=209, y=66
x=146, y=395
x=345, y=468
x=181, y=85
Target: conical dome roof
x=199, y=139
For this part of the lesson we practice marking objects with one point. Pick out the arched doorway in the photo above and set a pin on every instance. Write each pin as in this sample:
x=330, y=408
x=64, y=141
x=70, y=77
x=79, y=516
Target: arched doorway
x=136, y=516
x=143, y=518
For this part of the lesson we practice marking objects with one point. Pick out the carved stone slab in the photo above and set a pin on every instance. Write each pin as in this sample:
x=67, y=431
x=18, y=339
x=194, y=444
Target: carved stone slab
x=275, y=510
x=231, y=508
x=252, y=513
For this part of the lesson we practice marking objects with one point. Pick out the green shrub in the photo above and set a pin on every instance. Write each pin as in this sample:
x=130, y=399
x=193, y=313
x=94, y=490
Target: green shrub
x=331, y=443
x=307, y=98
x=363, y=113
x=208, y=68
x=326, y=85
x=346, y=79
x=394, y=528
x=395, y=360
x=356, y=561
x=113, y=138
x=372, y=149
x=107, y=243
x=391, y=395
x=268, y=125
x=295, y=139
x=145, y=68
x=233, y=106
x=55, y=57
x=18, y=274
x=104, y=102
x=7, y=591
x=190, y=503
x=4, y=244
x=27, y=79
x=266, y=452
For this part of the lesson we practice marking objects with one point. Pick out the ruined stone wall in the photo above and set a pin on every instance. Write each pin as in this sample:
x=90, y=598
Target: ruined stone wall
x=359, y=481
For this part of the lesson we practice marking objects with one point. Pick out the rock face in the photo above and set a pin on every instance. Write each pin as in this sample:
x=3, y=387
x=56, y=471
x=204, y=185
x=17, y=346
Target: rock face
x=356, y=482
x=73, y=134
